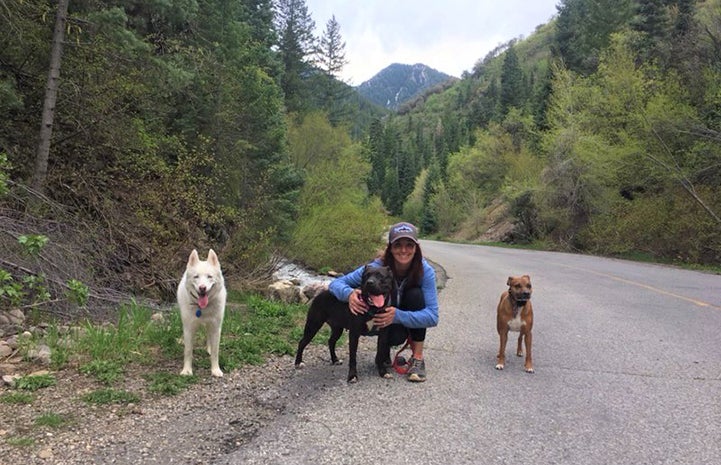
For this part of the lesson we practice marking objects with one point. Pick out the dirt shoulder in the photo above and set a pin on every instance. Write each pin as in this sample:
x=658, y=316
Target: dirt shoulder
x=211, y=418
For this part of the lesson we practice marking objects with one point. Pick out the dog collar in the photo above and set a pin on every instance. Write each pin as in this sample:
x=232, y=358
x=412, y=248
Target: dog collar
x=198, y=313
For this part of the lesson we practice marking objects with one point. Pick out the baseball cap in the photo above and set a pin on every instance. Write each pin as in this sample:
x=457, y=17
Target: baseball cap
x=403, y=230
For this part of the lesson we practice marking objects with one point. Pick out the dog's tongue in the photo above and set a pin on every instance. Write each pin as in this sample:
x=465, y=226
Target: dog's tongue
x=203, y=301
x=378, y=300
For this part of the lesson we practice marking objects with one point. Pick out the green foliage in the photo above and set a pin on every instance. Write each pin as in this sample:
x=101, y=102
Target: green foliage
x=20, y=441
x=105, y=371
x=15, y=397
x=342, y=235
x=51, y=419
x=338, y=225
x=4, y=168
x=584, y=29
x=35, y=382
x=10, y=290
x=168, y=384
x=78, y=292
x=110, y=396
x=265, y=327
x=33, y=243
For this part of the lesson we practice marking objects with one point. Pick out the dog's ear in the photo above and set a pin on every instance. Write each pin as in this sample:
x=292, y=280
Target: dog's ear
x=193, y=259
x=528, y=278
x=213, y=258
x=510, y=278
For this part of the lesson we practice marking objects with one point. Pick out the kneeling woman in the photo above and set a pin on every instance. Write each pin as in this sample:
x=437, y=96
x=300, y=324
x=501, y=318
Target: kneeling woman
x=414, y=308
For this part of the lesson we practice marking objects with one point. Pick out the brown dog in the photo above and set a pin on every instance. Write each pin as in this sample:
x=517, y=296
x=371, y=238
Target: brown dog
x=515, y=313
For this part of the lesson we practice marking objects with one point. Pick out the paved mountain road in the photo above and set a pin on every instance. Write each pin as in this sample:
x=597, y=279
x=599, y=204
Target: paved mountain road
x=628, y=371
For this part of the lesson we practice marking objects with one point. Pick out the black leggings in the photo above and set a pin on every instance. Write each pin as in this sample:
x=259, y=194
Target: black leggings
x=412, y=300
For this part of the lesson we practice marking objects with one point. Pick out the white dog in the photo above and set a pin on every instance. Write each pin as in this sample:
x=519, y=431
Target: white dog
x=201, y=298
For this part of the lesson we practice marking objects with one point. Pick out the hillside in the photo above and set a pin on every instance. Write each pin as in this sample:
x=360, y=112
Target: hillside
x=398, y=83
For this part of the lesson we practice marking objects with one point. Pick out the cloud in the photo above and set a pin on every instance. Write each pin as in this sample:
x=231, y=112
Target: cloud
x=450, y=36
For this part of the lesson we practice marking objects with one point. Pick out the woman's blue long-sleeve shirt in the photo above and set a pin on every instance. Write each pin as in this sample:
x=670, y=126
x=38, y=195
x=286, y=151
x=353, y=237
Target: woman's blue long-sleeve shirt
x=426, y=317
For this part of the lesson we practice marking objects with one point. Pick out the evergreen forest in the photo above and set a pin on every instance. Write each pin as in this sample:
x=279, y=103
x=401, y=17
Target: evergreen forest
x=134, y=131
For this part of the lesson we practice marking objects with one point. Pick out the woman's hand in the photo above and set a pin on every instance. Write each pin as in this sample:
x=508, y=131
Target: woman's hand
x=384, y=319
x=356, y=304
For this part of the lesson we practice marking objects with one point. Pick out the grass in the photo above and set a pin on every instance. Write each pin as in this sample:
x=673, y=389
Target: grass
x=139, y=346
x=20, y=441
x=105, y=371
x=52, y=420
x=110, y=396
x=35, y=382
x=17, y=398
x=253, y=329
x=169, y=384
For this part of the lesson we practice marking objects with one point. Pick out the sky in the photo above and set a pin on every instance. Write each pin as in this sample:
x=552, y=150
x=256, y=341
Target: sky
x=447, y=35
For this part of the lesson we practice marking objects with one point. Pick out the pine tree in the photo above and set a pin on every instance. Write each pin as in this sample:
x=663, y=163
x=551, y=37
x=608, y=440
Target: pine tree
x=584, y=27
x=651, y=21
x=330, y=58
x=512, y=87
x=330, y=53
x=296, y=46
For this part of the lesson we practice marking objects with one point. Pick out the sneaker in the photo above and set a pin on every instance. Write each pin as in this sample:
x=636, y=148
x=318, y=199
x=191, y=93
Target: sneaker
x=417, y=371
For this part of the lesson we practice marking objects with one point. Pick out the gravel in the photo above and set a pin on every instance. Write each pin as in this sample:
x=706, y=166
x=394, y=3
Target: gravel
x=212, y=418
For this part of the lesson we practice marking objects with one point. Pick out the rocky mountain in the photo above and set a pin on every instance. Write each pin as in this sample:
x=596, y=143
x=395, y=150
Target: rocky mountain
x=398, y=83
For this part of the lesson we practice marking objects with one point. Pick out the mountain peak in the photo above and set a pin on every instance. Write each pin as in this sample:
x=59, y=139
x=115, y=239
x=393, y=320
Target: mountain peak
x=398, y=83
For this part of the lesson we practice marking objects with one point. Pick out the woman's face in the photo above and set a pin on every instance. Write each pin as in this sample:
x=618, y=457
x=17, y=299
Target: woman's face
x=403, y=251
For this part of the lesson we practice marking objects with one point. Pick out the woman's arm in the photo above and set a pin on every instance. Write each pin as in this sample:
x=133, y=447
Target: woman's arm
x=427, y=316
x=342, y=286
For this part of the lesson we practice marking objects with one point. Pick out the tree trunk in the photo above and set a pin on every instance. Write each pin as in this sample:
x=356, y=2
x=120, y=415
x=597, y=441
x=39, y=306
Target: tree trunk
x=51, y=94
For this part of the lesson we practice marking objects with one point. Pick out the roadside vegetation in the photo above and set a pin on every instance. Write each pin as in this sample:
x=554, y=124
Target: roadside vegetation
x=133, y=360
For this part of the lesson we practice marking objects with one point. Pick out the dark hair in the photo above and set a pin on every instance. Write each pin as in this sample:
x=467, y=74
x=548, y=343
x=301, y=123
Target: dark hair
x=415, y=272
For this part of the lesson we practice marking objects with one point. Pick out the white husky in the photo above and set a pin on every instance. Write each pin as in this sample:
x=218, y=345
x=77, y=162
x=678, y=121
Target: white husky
x=201, y=298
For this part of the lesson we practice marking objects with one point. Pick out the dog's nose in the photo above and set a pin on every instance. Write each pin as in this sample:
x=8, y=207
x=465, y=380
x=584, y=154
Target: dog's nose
x=202, y=290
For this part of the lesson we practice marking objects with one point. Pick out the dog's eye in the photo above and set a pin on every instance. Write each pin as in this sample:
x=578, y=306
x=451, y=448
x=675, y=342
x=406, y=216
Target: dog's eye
x=210, y=276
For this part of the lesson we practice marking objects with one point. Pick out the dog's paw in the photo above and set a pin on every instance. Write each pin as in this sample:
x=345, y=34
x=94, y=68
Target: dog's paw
x=499, y=366
x=218, y=373
x=186, y=372
x=337, y=362
x=530, y=370
x=519, y=354
x=352, y=380
x=299, y=366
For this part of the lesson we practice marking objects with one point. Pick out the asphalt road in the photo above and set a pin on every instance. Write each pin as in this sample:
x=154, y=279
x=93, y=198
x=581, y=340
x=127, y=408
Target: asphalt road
x=628, y=371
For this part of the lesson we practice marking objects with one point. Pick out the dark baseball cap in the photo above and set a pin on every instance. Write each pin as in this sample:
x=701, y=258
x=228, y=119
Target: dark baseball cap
x=402, y=230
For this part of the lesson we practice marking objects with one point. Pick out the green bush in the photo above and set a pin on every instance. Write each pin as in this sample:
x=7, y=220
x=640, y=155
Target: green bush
x=672, y=227
x=341, y=236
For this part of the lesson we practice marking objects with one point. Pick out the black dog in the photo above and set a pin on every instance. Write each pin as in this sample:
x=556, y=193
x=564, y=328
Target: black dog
x=377, y=289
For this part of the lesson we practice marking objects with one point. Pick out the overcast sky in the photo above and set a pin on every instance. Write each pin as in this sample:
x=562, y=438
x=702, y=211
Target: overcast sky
x=448, y=35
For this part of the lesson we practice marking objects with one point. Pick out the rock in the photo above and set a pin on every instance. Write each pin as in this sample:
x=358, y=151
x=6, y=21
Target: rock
x=12, y=341
x=41, y=354
x=158, y=317
x=10, y=380
x=17, y=316
x=45, y=454
x=5, y=349
x=313, y=289
x=7, y=369
x=284, y=291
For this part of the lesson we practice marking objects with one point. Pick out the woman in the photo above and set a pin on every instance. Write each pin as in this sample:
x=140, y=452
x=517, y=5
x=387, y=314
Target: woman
x=414, y=308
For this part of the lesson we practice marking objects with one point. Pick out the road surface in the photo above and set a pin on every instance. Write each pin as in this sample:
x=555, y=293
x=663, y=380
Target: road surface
x=628, y=371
